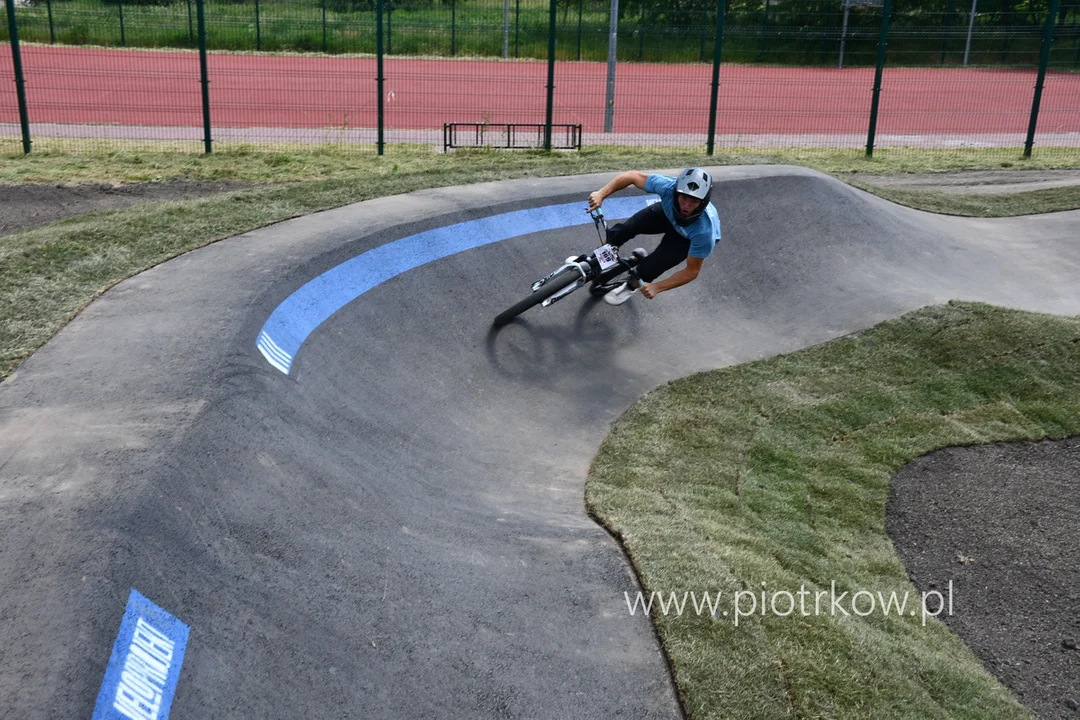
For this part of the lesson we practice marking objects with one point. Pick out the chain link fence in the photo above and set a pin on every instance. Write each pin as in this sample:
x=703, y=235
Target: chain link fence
x=375, y=75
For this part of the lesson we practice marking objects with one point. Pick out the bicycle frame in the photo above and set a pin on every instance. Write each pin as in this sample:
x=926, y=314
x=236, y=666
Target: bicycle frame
x=588, y=266
x=585, y=269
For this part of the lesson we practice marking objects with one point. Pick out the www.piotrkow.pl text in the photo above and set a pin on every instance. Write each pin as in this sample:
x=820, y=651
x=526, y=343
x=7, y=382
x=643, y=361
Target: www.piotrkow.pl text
x=738, y=605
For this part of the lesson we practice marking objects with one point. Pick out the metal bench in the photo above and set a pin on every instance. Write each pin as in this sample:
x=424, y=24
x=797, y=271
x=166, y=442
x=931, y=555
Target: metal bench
x=512, y=136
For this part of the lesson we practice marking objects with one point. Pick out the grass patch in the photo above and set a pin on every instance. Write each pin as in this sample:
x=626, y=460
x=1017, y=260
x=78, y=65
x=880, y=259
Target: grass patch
x=72, y=161
x=48, y=274
x=777, y=472
x=1030, y=202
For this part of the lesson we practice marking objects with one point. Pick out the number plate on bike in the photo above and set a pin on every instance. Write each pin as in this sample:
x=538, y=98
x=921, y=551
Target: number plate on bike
x=607, y=256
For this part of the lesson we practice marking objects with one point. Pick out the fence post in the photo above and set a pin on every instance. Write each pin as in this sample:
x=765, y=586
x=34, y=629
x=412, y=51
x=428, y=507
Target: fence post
x=553, y=16
x=205, y=76
x=971, y=29
x=52, y=28
x=764, y=32
x=641, y=34
x=1076, y=37
x=190, y=24
x=717, y=46
x=517, y=24
x=948, y=26
x=824, y=38
x=704, y=28
x=123, y=39
x=379, y=67
x=883, y=39
x=1005, y=24
x=453, y=28
x=580, y=8
x=258, y=30
x=1044, y=60
x=324, y=25
x=612, y=58
x=20, y=84
x=843, y=33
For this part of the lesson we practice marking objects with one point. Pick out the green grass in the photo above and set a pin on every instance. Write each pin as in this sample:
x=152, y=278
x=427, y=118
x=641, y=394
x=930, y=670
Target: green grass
x=348, y=26
x=74, y=161
x=1031, y=202
x=48, y=274
x=777, y=472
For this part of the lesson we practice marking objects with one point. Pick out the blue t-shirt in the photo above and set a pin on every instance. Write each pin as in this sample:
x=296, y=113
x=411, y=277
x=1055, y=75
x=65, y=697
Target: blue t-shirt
x=702, y=233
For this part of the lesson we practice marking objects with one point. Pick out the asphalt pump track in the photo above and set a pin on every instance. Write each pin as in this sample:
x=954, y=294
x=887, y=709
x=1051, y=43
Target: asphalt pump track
x=395, y=526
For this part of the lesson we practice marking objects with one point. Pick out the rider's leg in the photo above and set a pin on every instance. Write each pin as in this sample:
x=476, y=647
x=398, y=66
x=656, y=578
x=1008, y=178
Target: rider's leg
x=672, y=250
x=648, y=221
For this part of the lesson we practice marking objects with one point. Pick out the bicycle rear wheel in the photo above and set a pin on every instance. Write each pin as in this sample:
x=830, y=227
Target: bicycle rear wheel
x=546, y=290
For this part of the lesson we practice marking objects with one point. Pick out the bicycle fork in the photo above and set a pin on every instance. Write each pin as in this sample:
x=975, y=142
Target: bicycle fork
x=568, y=267
x=562, y=293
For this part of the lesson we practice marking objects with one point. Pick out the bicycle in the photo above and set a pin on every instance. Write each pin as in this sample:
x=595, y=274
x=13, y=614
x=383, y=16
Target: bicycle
x=603, y=269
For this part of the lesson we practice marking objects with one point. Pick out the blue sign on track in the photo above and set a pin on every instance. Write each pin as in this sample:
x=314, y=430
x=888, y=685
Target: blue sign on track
x=141, y=677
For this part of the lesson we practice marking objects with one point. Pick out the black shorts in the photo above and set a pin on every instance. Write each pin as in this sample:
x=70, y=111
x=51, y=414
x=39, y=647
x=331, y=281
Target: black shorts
x=671, y=251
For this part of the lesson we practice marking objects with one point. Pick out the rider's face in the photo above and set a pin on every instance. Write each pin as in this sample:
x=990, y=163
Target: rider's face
x=687, y=204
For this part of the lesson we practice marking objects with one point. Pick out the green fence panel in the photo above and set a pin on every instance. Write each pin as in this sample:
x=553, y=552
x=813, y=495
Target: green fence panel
x=790, y=74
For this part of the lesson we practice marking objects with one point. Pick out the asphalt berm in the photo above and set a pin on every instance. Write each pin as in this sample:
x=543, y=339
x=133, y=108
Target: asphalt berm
x=395, y=527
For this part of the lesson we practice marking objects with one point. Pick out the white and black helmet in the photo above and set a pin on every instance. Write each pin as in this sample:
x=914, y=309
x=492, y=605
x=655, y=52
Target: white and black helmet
x=696, y=183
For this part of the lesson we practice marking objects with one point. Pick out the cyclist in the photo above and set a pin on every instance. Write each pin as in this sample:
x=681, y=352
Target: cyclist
x=688, y=223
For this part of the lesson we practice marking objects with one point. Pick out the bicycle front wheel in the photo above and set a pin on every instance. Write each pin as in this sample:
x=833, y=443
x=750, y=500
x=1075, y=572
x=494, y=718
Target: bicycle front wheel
x=546, y=290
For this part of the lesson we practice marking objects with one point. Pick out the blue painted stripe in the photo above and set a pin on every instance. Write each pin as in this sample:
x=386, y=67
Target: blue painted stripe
x=273, y=354
x=141, y=677
x=297, y=317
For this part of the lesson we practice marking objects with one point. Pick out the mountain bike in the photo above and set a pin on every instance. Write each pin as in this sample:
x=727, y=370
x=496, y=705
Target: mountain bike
x=604, y=269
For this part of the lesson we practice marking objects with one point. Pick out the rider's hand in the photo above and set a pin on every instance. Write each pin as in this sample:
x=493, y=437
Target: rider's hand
x=648, y=290
x=596, y=199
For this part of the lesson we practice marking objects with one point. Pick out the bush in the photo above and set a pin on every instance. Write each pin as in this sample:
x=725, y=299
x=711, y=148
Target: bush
x=139, y=2
x=344, y=6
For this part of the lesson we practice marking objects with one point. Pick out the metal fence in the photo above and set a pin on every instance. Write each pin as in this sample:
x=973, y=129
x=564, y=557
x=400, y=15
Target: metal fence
x=692, y=74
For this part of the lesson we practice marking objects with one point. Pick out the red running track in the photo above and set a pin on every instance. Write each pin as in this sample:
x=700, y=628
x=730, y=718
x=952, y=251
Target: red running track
x=127, y=87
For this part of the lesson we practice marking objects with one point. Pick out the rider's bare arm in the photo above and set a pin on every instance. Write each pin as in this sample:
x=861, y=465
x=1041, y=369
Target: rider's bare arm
x=619, y=182
x=687, y=274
